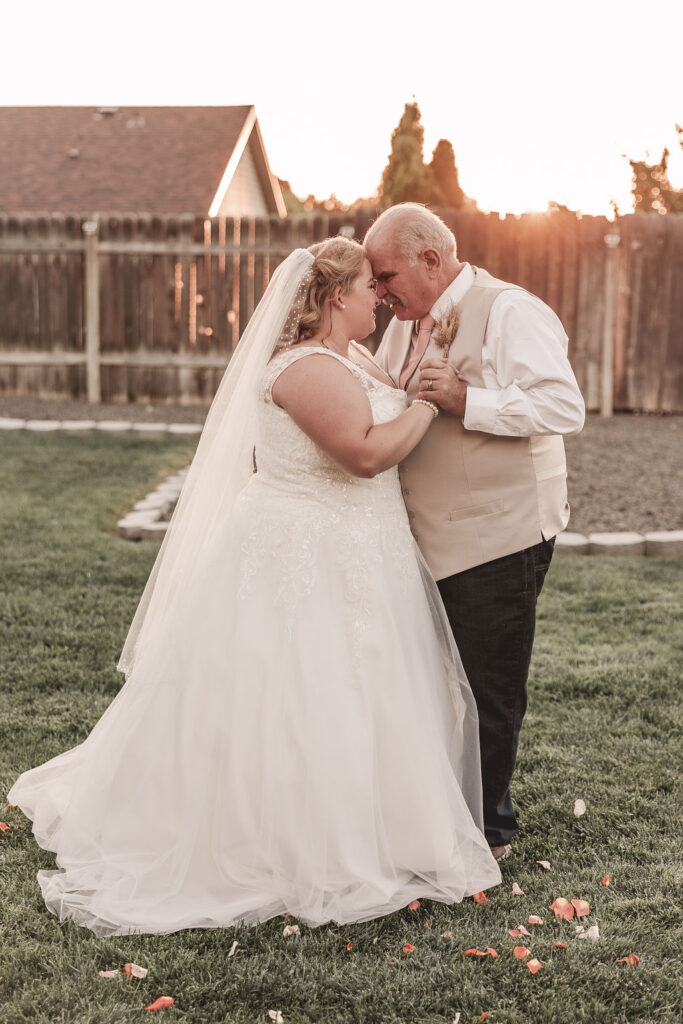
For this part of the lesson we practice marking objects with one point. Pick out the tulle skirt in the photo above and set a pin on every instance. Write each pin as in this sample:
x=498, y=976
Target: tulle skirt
x=302, y=742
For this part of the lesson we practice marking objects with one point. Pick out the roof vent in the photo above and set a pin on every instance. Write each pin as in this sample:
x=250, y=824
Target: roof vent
x=74, y=154
x=107, y=111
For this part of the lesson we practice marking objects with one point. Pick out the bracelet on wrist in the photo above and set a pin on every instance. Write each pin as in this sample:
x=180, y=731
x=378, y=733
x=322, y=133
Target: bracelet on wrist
x=430, y=405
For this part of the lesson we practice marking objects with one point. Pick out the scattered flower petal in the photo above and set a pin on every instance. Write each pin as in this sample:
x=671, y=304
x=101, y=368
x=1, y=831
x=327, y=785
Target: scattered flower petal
x=521, y=952
x=562, y=908
x=414, y=905
x=349, y=945
x=588, y=933
x=408, y=947
x=515, y=933
x=374, y=941
x=160, y=1004
x=562, y=945
x=481, y=952
x=632, y=960
x=516, y=891
x=11, y=807
x=484, y=1015
x=108, y=974
x=290, y=929
x=605, y=881
x=276, y=1015
x=233, y=948
x=581, y=907
x=545, y=864
x=534, y=919
x=4, y=827
x=479, y=897
x=534, y=965
x=134, y=971
x=446, y=935
x=579, y=808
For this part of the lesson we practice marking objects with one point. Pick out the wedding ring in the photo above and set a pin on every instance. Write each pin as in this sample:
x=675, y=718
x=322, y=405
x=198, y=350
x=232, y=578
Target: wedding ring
x=430, y=385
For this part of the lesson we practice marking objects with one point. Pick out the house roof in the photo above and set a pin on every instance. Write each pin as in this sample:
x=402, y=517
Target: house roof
x=152, y=159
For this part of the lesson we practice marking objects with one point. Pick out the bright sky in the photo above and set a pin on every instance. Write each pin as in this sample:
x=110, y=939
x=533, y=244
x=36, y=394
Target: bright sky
x=540, y=99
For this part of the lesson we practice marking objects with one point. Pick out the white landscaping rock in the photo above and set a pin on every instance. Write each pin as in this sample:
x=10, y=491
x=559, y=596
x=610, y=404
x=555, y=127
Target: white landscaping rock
x=43, y=425
x=185, y=428
x=78, y=425
x=151, y=428
x=131, y=526
x=7, y=423
x=568, y=543
x=616, y=544
x=114, y=426
x=665, y=544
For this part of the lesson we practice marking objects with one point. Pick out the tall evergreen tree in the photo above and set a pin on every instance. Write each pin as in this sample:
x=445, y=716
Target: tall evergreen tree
x=447, y=190
x=406, y=179
x=652, y=191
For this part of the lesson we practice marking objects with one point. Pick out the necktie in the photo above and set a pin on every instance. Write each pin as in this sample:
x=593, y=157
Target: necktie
x=426, y=325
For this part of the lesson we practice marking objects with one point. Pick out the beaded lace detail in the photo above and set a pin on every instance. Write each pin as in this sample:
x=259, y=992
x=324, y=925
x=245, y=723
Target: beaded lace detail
x=299, y=496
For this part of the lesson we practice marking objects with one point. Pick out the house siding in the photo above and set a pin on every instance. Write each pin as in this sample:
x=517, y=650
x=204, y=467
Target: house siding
x=244, y=197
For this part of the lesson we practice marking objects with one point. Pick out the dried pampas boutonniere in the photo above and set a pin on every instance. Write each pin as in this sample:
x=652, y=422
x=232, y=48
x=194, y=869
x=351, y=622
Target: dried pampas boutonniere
x=446, y=329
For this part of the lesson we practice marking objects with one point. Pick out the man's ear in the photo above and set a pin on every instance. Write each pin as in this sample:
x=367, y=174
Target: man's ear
x=432, y=261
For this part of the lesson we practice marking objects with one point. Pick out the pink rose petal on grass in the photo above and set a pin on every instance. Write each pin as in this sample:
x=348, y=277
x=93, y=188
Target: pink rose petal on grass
x=134, y=971
x=545, y=864
x=579, y=808
x=605, y=881
x=408, y=947
x=534, y=919
x=632, y=960
x=562, y=908
x=481, y=952
x=108, y=974
x=534, y=965
x=581, y=907
x=479, y=897
x=414, y=905
x=521, y=952
x=11, y=807
x=516, y=891
x=562, y=945
x=4, y=827
x=515, y=933
x=276, y=1015
x=233, y=948
x=160, y=1004
x=592, y=933
x=290, y=929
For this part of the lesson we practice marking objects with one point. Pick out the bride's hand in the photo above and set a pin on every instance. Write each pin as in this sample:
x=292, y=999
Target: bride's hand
x=448, y=386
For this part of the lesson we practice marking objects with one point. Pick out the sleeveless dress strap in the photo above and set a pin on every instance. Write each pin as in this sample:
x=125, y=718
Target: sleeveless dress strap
x=285, y=359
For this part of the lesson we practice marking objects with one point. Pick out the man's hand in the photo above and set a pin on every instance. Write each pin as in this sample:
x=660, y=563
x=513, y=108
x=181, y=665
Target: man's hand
x=448, y=387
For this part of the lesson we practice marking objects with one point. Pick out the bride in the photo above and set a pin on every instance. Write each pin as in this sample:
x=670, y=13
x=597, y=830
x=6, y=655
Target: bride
x=296, y=734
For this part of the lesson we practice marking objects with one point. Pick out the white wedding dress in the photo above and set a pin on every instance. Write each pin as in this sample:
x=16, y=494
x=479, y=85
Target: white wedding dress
x=303, y=740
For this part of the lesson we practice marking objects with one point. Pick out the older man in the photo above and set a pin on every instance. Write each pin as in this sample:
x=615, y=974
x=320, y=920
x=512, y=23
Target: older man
x=486, y=487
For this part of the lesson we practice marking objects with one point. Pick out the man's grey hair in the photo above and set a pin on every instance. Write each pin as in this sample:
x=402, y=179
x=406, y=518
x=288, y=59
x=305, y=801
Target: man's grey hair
x=412, y=229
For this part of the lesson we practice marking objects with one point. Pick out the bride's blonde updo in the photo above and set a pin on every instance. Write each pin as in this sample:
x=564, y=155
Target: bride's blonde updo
x=337, y=263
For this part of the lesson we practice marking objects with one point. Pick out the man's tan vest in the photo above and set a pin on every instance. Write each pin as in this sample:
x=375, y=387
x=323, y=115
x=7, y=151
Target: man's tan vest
x=472, y=496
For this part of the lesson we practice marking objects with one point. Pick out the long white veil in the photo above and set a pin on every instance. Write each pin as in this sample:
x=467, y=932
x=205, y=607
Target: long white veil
x=223, y=463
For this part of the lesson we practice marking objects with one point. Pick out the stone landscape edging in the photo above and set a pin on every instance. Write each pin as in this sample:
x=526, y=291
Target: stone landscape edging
x=145, y=522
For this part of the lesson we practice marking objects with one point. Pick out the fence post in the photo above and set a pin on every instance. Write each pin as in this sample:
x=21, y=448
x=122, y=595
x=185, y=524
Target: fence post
x=612, y=240
x=92, y=311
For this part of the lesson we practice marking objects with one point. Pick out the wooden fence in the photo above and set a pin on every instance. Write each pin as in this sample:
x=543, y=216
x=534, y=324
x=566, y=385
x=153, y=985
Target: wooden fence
x=145, y=308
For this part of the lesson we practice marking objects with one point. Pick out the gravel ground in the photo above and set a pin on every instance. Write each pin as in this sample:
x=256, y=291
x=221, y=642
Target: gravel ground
x=625, y=473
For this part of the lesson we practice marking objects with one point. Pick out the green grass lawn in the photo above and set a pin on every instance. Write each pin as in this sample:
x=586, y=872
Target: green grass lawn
x=603, y=725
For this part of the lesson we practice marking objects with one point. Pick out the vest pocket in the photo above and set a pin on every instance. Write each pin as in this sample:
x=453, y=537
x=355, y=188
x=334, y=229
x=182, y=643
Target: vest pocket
x=474, y=511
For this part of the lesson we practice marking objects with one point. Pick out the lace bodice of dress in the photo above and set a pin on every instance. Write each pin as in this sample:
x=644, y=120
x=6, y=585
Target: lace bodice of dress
x=289, y=460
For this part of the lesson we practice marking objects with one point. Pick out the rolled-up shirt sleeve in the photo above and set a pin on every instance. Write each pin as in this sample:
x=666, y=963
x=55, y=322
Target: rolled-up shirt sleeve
x=530, y=387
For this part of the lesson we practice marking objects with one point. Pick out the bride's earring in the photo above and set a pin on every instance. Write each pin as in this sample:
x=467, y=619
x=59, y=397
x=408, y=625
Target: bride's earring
x=342, y=306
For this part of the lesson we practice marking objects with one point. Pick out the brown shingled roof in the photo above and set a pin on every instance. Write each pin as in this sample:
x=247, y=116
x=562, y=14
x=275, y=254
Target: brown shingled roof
x=83, y=159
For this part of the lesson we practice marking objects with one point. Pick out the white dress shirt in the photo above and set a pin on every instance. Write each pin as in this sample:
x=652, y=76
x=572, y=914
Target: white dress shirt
x=530, y=388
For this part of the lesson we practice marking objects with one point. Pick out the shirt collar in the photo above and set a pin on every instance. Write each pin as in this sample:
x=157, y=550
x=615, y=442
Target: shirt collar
x=456, y=291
